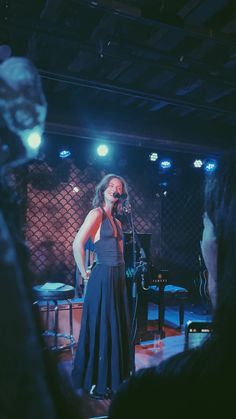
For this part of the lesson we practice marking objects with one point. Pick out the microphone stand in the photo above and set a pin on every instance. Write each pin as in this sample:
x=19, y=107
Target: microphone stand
x=136, y=270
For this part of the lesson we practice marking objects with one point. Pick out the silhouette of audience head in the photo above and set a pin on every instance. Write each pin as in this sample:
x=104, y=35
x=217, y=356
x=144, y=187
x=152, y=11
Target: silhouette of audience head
x=23, y=106
x=30, y=385
x=219, y=244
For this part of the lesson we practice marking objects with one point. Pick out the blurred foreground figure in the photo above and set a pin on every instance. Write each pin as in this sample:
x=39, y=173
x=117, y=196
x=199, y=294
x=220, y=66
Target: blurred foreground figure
x=29, y=384
x=198, y=382
x=23, y=104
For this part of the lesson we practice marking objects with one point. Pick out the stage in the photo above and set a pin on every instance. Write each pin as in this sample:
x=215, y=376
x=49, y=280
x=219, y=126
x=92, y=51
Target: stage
x=147, y=353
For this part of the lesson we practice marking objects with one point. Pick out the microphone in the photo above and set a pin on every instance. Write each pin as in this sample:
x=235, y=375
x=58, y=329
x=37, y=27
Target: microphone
x=119, y=196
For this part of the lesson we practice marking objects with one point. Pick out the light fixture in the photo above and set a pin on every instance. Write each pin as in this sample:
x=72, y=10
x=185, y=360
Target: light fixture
x=210, y=165
x=31, y=140
x=34, y=140
x=153, y=156
x=64, y=154
x=102, y=150
x=165, y=164
x=198, y=163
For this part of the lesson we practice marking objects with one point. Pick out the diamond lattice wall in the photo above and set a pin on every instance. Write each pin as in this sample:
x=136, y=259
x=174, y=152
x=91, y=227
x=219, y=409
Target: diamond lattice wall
x=59, y=197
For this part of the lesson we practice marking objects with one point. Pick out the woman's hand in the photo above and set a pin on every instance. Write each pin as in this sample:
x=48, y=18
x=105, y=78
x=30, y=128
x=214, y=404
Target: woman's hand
x=86, y=277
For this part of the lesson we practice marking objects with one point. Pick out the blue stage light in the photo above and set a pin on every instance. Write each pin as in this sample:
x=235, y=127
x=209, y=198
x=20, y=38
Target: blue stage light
x=64, y=154
x=33, y=140
x=165, y=164
x=102, y=150
x=210, y=165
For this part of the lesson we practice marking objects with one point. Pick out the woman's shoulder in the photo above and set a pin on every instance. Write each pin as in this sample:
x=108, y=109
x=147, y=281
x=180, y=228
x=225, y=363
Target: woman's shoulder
x=93, y=219
x=95, y=213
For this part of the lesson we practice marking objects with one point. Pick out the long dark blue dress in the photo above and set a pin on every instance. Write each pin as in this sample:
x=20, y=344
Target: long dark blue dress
x=103, y=354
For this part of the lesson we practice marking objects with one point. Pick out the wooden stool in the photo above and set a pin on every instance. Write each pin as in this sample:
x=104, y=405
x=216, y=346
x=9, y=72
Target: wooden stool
x=51, y=294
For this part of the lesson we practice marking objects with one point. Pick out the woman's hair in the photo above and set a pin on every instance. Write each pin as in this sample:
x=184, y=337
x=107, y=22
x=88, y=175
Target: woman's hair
x=98, y=200
x=220, y=206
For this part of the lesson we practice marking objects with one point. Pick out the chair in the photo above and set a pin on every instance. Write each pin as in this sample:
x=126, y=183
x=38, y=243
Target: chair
x=165, y=294
x=51, y=294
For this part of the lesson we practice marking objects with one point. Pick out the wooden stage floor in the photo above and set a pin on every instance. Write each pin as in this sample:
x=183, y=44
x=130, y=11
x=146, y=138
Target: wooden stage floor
x=148, y=353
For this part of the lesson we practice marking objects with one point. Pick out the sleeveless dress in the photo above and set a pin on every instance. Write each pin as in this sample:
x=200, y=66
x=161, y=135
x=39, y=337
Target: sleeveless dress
x=103, y=355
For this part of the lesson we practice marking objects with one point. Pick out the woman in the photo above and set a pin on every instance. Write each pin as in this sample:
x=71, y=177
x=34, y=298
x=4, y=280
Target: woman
x=103, y=358
x=198, y=381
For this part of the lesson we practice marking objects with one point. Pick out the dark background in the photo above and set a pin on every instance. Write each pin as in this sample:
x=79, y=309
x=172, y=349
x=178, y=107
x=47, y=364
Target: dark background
x=140, y=72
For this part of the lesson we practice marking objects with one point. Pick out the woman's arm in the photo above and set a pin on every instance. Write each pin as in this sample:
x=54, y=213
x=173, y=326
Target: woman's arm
x=88, y=229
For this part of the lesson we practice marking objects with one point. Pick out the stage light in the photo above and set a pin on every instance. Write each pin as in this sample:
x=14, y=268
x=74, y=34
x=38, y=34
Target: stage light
x=165, y=164
x=31, y=141
x=198, y=163
x=163, y=188
x=34, y=140
x=210, y=166
x=102, y=150
x=153, y=156
x=64, y=154
x=75, y=188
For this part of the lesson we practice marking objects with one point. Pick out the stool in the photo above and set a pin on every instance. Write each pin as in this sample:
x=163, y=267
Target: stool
x=164, y=295
x=54, y=292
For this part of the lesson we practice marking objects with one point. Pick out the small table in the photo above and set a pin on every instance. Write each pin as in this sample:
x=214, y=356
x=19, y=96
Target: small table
x=42, y=293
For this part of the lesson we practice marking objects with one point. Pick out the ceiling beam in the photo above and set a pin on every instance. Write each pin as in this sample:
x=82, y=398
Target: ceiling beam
x=120, y=90
x=125, y=138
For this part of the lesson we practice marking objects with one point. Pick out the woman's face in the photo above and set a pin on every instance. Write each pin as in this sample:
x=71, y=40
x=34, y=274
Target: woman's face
x=209, y=253
x=114, y=185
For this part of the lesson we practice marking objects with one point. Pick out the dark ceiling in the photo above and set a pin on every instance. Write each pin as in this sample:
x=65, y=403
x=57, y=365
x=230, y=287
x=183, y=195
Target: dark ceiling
x=153, y=73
